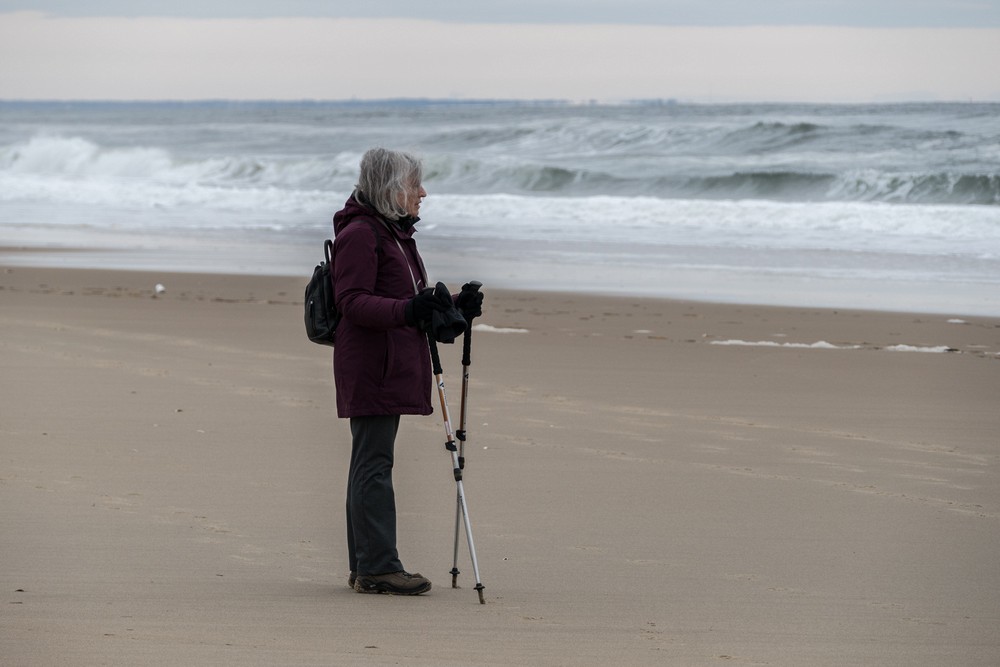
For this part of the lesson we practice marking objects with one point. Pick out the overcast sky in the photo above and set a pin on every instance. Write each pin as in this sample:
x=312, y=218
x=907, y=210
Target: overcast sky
x=691, y=50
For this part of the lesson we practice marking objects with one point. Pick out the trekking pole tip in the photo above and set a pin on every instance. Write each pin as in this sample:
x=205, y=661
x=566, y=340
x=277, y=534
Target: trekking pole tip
x=480, y=588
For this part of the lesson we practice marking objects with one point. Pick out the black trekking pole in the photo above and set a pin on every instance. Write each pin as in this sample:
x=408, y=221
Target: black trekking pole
x=453, y=448
x=462, y=433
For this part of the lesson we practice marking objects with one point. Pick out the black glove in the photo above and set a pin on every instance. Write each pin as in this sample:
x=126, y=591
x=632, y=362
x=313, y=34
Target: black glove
x=470, y=301
x=433, y=299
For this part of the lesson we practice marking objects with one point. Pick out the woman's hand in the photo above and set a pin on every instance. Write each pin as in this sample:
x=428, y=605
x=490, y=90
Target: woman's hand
x=470, y=300
x=420, y=308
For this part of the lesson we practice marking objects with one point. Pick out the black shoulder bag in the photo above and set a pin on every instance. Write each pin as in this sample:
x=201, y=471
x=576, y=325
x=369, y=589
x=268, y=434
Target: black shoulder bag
x=321, y=314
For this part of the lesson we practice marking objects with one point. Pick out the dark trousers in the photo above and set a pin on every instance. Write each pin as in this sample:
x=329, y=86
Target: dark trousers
x=371, y=502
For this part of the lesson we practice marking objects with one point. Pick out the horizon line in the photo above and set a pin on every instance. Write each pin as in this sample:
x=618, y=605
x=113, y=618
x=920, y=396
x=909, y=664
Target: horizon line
x=401, y=101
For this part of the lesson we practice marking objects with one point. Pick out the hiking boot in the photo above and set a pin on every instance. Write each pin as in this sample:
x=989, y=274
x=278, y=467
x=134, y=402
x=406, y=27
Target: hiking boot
x=393, y=583
x=351, y=579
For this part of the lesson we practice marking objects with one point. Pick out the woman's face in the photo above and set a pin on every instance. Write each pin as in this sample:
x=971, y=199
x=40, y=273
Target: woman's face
x=414, y=193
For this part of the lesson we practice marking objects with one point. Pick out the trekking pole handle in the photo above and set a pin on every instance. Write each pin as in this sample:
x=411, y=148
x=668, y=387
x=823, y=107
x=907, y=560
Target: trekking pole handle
x=472, y=286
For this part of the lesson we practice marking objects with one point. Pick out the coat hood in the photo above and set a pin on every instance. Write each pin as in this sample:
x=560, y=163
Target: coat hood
x=356, y=207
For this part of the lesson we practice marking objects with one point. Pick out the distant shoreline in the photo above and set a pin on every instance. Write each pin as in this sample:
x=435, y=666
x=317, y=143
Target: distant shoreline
x=472, y=102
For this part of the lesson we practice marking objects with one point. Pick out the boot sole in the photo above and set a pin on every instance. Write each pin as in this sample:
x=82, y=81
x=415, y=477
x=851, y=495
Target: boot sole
x=383, y=589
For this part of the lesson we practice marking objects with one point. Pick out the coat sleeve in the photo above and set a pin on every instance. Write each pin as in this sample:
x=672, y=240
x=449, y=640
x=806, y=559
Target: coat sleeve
x=355, y=271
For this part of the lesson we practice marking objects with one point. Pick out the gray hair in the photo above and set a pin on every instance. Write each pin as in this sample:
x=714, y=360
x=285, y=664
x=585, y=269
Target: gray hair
x=385, y=180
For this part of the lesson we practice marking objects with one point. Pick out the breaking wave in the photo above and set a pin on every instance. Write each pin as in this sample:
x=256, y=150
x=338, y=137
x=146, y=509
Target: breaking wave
x=554, y=155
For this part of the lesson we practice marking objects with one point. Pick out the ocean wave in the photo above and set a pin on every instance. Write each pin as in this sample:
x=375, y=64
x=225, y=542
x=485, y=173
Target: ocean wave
x=506, y=175
x=784, y=185
x=73, y=156
x=82, y=160
x=951, y=188
x=76, y=169
x=867, y=185
x=586, y=136
x=768, y=137
x=473, y=175
x=78, y=172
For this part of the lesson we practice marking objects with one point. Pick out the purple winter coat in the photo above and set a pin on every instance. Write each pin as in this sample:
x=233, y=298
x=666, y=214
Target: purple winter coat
x=381, y=366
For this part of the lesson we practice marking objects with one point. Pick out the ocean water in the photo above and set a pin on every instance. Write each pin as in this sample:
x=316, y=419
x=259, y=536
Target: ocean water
x=888, y=206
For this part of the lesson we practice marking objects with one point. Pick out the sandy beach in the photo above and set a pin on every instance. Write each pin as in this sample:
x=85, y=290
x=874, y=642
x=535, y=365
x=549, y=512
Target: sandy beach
x=650, y=482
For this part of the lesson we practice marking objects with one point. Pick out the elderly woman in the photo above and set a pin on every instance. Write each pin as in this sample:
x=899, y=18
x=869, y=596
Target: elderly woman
x=381, y=362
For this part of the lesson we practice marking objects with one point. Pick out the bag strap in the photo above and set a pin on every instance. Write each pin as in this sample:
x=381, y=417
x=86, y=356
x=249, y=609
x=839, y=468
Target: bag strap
x=406, y=258
x=378, y=237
